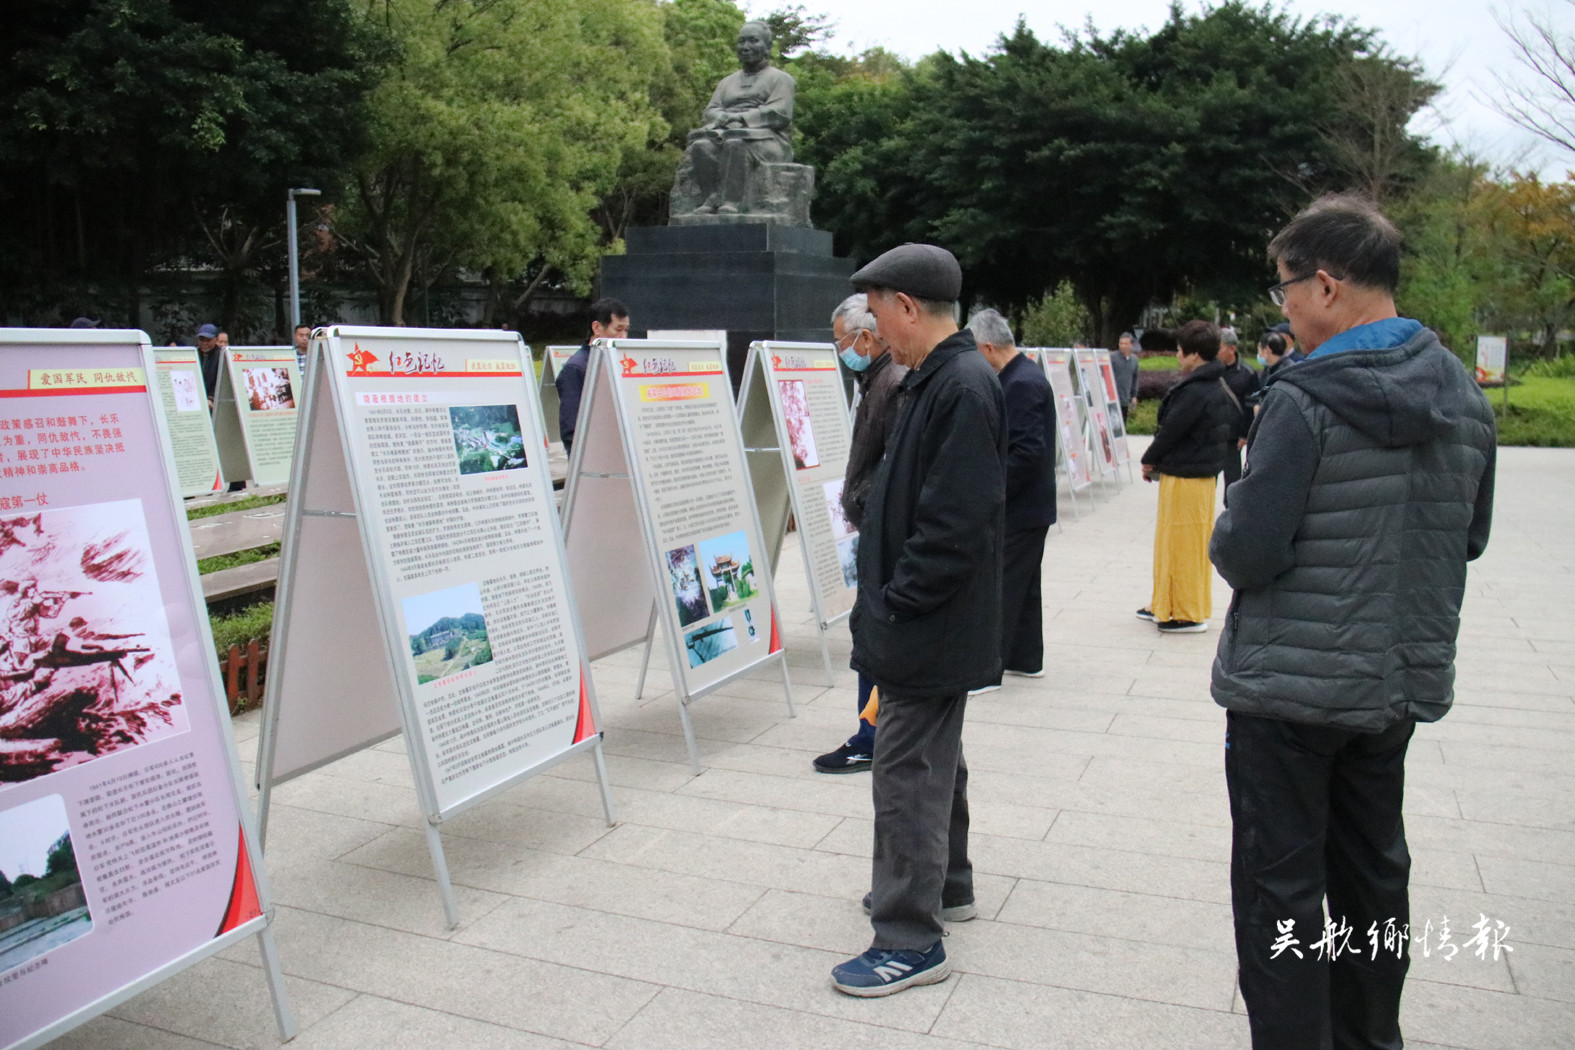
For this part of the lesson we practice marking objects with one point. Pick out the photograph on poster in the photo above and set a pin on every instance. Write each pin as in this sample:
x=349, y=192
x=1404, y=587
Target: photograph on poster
x=840, y=526
x=683, y=572
x=268, y=389
x=487, y=438
x=86, y=664
x=749, y=621
x=1104, y=437
x=42, y=905
x=848, y=557
x=1109, y=377
x=726, y=570
x=707, y=643
x=448, y=632
x=188, y=393
x=795, y=412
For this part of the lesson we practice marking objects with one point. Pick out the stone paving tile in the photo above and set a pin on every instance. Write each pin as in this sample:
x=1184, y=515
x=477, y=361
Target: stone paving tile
x=560, y=1001
x=770, y=973
x=682, y=1020
x=1025, y=1016
x=227, y=1003
x=110, y=1033
x=369, y=1021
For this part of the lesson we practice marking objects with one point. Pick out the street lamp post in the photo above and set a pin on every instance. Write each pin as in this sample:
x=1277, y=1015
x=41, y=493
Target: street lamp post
x=295, y=253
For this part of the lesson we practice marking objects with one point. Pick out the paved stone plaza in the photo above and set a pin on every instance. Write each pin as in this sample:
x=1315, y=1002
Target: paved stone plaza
x=713, y=913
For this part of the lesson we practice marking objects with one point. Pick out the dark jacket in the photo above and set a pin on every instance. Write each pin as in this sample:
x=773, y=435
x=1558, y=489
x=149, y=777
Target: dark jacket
x=927, y=621
x=1369, y=486
x=1030, y=445
x=570, y=381
x=1197, y=425
x=880, y=403
x=212, y=363
x=1243, y=382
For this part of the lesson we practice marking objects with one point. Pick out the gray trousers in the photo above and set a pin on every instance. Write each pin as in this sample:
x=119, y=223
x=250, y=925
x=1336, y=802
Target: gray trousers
x=920, y=784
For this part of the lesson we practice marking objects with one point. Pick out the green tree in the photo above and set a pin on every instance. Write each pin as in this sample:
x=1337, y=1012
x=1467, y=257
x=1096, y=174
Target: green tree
x=494, y=135
x=135, y=134
x=1058, y=319
x=1135, y=167
x=62, y=857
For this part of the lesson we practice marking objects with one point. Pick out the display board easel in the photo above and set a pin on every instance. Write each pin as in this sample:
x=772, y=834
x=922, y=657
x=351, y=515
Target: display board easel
x=1071, y=423
x=1101, y=438
x=423, y=586
x=255, y=413
x=1118, y=422
x=179, y=378
x=134, y=825
x=552, y=361
x=660, y=520
x=793, y=414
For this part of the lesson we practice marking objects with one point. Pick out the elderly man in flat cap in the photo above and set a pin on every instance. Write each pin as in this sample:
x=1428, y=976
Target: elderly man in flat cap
x=927, y=623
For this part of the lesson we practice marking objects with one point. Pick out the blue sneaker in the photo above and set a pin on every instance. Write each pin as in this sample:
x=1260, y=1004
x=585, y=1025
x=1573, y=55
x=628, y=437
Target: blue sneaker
x=881, y=971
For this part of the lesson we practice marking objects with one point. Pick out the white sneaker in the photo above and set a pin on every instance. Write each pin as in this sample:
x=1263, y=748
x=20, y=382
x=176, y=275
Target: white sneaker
x=985, y=689
x=1025, y=674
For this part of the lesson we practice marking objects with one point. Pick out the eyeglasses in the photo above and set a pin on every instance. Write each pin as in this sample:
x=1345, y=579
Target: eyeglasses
x=1277, y=291
x=849, y=339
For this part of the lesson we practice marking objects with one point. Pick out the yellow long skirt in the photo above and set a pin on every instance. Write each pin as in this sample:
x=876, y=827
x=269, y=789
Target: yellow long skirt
x=1183, y=580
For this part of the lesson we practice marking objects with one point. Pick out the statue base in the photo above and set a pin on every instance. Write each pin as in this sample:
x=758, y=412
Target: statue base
x=777, y=194
x=756, y=280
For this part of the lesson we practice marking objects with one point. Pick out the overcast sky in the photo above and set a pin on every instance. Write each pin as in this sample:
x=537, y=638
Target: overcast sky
x=1458, y=41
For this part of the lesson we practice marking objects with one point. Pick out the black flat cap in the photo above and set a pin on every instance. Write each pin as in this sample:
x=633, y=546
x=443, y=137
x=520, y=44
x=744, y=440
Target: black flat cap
x=923, y=271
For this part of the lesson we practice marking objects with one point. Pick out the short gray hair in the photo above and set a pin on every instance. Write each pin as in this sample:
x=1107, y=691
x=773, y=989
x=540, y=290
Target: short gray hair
x=1227, y=336
x=854, y=313
x=988, y=326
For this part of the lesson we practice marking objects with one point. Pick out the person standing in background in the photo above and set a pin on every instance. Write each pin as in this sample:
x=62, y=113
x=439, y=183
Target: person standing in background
x=1030, y=494
x=1124, y=363
x=1243, y=382
x=1197, y=424
x=879, y=379
x=609, y=320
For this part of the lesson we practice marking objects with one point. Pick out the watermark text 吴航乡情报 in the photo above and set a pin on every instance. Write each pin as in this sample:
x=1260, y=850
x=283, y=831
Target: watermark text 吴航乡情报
x=1391, y=938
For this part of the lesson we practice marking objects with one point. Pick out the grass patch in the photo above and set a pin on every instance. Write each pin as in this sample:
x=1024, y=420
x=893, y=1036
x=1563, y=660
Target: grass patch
x=239, y=626
x=231, y=561
x=249, y=503
x=1541, y=412
x=1144, y=419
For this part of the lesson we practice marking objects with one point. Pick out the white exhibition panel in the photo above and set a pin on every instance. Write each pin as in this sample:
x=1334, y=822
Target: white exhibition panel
x=451, y=567
x=809, y=410
x=120, y=789
x=179, y=377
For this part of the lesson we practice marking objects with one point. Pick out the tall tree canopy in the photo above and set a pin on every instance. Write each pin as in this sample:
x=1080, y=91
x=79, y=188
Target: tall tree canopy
x=498, y=129
x=139, y=133
x=1134, y=167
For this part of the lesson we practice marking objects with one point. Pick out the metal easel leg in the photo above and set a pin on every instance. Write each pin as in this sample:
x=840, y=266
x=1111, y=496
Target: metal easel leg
x=645, y=663
x=689, y=735
x=440, y=868
x=601, y=779
x=787, y=685
x=825, y=656
x=282, y=1014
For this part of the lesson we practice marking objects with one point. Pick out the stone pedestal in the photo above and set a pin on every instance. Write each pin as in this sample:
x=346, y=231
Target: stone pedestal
x=757, y=281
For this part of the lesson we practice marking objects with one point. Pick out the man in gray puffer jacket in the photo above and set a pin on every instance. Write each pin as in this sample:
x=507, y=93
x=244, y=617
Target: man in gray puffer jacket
x=1369, y=485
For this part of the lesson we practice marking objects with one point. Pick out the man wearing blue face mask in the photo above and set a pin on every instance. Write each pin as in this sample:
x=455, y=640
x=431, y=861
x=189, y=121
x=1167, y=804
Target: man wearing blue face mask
x=878, y=377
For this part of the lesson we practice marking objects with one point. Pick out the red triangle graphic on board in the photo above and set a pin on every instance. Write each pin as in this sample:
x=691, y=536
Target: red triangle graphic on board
x=218, y=481
x=244, y=906
x=586, y=727
x=776, y=635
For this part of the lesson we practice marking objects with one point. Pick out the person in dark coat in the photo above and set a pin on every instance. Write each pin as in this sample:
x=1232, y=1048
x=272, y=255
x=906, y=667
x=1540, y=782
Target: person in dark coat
x=926, y=624
x=1124, y=364
x=1243, y=383
x=1369, y=486
x=1030, y=494
x=211, y=359
x=879, y=379
x=1197, y=427
x=609, y=320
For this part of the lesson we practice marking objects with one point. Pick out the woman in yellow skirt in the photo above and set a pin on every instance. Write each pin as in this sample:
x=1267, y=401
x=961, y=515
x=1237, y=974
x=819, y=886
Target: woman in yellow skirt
x=1197, y=424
